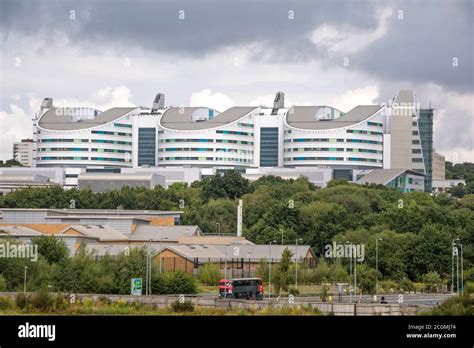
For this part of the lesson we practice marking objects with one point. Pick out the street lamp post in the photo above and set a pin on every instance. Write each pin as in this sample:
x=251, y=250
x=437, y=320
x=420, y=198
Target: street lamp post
x=355, y=272
x=452, y=266
x=149, y=267
x=296, y=262
x=350, y=273
x=160, y=248
x=219, y=227
x=24, y=284
x=462, y=275
x=225, y=270
x=377, y=265
x=270, y=270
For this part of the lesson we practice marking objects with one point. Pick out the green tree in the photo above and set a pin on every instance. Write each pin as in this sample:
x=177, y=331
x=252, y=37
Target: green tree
x=281, y=279
x=52, y=248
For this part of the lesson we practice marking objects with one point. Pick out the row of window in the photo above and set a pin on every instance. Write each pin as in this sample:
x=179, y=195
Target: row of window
x=64, y=140
x=332, y=140
x=78, y=141
x=202, y=149
x=248, y=125
x=352, y=159
x=357, y=131
x=49, y=158
x=111, y=133
x=226, y=159
x=234, y=132
x=77, y=149
x=331, y=149
x=122, y=125
x=375, y=124
x=314, y=140
x=117, y=142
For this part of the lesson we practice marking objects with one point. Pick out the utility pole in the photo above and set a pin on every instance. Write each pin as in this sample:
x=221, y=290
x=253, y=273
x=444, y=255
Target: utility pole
x=24, y=285
x=377, y=265
x=225, y=270
x=296, y=262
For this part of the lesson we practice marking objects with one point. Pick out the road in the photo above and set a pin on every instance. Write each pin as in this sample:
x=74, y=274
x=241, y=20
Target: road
x=415, y=299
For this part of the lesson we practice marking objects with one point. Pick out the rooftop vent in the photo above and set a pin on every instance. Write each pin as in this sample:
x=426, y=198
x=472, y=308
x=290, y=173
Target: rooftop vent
x=158, y=103
x=278, y=102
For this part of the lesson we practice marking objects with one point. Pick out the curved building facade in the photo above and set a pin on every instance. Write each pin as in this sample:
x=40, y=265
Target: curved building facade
x=84, y=137
x=323, y=136
x=225, y=139
x=245, y=138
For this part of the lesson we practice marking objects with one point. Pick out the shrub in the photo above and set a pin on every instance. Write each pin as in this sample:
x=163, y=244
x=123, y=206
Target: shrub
x=60, y=302
x=22, y=300
x=324, y=293
x=432, y=281
x=104, y=300
x=181, y=307
x=6, y=302
x=3, y=283
x=456, y=305
x=179, y=283
x=121, y=303
x=88, y=302
x=209, y=275
x=469, y=288
x=407, y=285
x=388, y=286
x=293, y=291
x=42, y=300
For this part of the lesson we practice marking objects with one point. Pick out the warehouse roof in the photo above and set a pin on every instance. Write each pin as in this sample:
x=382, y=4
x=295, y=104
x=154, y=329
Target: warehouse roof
x=214, y=240
x=100, y=232
x=57, y=118
x=262, y=251
x=252, y=252
x=19, y=231
x=181, y=118
x=165, y=233
x=305, y=117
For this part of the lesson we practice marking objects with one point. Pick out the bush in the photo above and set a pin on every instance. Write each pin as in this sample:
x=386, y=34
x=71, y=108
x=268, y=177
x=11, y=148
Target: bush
x=22, y=300
x=209, y=275
x=6, y=302
x=42, y=300
x=469, y=288
x=181, y=307
x=432, y=281
x=407, y=285
x=3, y=283
x=293, y=291
x=324, y=293
x=456, y=305
x=388, y=286
x=179, y=283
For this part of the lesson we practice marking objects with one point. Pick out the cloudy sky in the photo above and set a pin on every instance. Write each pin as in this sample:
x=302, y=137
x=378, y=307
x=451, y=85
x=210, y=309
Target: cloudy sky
x=221, y=53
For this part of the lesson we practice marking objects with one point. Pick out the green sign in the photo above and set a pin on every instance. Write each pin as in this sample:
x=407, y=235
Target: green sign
x=136, y=286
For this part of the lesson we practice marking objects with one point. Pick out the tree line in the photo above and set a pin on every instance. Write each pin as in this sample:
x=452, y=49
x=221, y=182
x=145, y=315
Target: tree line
x=415, y=229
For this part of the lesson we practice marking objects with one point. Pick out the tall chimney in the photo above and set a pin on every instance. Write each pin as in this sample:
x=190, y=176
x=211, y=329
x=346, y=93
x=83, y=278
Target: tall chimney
x=239, y=219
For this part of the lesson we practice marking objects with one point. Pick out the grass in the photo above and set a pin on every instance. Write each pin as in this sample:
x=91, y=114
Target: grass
x=88, y=307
